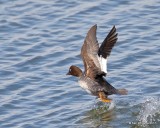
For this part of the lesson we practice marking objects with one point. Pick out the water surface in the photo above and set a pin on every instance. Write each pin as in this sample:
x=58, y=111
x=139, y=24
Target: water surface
x=39, y=40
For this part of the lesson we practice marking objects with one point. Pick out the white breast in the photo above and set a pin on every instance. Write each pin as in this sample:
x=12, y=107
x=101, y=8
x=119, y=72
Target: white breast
x=84, y=85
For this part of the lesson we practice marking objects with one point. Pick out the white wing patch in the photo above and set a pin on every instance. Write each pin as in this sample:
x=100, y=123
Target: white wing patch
x=103, y=63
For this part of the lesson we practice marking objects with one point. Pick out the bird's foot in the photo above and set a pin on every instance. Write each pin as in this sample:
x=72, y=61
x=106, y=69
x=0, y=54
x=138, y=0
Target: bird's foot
x=103, y=97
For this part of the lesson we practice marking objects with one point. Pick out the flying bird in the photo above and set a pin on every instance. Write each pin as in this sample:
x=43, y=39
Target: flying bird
x=95, y=64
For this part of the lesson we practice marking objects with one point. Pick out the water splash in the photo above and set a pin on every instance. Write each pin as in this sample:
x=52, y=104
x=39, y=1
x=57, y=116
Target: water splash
x=149, y=112
x=106, y=106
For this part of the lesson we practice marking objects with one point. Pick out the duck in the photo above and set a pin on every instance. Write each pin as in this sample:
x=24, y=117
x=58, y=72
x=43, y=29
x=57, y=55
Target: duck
x=95, y=65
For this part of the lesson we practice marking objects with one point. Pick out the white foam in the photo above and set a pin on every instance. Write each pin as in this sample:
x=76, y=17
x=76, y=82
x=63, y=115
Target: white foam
x=112, y=105
x=148, y=111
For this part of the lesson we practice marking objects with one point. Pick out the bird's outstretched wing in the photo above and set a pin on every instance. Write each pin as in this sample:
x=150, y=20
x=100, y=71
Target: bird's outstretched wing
x=89, y=53
x=108, y=43
x=95, y=58
x=106, y=47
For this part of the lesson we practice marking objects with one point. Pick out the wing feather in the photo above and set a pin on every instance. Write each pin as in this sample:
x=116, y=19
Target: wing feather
x=108, y=43
x=106, y=47
x=95, y=58
x=89, y=53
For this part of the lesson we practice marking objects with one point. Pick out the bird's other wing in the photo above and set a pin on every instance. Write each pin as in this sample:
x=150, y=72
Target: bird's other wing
x=106, y=47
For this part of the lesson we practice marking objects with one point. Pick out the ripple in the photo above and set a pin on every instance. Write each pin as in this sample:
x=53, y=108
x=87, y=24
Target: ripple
x=41, y=39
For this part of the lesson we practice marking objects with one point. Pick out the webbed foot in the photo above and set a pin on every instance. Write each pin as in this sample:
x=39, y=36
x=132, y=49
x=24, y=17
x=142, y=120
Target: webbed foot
x=103, y=97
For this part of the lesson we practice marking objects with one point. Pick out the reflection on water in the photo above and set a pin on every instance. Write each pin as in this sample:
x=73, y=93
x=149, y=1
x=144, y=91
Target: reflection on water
x=100, y=114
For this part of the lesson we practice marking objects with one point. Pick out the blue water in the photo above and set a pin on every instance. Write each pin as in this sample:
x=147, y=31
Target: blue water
x=40, y=39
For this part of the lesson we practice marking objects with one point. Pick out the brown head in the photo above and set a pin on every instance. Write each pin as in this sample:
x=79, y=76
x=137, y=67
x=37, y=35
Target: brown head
x=74, y=71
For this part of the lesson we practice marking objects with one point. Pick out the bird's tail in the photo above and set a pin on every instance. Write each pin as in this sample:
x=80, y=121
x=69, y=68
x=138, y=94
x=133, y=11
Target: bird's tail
x=122, y=92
